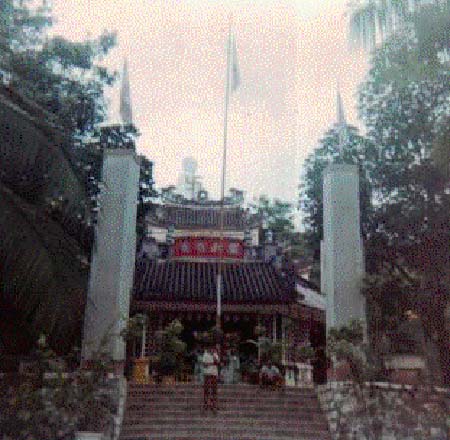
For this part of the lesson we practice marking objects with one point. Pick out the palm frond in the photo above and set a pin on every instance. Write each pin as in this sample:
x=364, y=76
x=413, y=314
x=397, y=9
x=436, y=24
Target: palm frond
x=372, y=20
x=363, y=25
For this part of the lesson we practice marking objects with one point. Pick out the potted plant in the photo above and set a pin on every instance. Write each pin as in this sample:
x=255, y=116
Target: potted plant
x=348, y=353
x=136, y=329
x=305, y=354
x=170, y=352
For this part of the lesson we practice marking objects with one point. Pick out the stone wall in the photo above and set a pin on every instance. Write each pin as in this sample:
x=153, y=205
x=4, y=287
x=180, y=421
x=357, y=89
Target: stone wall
x=385, y=411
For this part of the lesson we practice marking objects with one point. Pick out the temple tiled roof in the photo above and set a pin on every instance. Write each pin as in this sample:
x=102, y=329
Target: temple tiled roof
x=199, y=217
x=244, y=282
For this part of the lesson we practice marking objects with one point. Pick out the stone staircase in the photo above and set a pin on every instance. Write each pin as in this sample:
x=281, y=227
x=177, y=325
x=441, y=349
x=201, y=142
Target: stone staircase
x=246, y=412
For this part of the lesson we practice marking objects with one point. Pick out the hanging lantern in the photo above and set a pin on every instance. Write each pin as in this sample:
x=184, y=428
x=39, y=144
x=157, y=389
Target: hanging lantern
x=170, y=232
x=248, y=237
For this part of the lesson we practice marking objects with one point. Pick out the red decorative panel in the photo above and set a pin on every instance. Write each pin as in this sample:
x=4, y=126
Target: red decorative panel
x=208, y=247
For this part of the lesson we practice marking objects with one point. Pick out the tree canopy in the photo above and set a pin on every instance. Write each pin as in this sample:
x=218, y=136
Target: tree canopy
x=406, y=116
x=413, y=47
x=57, y=88
x=373, y=21
x=277, y=216
x=64, y=77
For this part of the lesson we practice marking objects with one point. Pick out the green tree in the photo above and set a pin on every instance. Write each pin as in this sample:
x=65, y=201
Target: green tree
x=23, y=23
x=410, y=233
x=416, y=45
x=60, y=84
x=277, y=216
x=373, y=21
x=62, y=76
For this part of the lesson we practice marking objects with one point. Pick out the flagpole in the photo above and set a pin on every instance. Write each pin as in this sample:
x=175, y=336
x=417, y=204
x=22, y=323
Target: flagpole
x=222, y=186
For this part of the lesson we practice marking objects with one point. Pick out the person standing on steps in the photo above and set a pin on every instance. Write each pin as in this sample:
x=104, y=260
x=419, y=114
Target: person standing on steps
x=210, y=373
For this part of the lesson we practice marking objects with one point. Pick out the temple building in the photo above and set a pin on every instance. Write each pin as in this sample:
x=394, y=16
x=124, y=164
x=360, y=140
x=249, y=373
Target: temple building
x=190, y=239
x=176, y=277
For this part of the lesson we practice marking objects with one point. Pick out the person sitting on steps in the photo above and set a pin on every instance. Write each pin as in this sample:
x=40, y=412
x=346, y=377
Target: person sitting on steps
x=270, y=376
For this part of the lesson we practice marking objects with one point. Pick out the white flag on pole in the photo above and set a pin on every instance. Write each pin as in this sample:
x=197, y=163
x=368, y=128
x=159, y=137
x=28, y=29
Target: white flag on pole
x=235, y=74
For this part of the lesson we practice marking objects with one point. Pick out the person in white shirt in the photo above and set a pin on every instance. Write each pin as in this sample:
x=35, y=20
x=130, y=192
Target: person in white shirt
x=270, y=375
x=210, y=372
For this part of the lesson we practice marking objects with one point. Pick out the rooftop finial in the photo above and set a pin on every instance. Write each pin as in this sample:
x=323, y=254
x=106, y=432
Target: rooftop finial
x=341, y=121
x=125, y=97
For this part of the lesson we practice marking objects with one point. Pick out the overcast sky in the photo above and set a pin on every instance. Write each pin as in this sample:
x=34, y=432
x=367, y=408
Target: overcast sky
x=291, y=52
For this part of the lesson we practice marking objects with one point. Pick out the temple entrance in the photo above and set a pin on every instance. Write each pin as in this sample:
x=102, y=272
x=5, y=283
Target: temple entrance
x=237, y=340
x=191, y=327
x=193, y=347
x=243, y=329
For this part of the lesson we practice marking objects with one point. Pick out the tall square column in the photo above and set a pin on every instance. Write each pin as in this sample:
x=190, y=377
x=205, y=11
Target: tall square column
x=113, y=259
x=342, y=265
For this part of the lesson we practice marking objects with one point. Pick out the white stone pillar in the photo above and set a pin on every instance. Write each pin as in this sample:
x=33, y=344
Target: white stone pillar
x=113, y=259
x=342, y=264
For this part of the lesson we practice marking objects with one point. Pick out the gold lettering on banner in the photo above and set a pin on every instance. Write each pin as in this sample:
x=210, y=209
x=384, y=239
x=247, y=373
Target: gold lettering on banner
x=201, y=246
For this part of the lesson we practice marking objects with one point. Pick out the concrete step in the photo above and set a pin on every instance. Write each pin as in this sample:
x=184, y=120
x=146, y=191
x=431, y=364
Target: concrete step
x=226, y=431
x=227, y=393
x=172, y=389
x=243, y=401
x=257, y=394
x=221, y=436
x=162, y=389
x=227, y=397
x=204, y=420
x=181, y=386
x=223, y=404
x=229, y=413
x=247, y=412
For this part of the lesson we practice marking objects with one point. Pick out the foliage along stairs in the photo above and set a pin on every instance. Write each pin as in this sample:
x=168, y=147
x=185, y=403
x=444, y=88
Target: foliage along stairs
x=246, y=412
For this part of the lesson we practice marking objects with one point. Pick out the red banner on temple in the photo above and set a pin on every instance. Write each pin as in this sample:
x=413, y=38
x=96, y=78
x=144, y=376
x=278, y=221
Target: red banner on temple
x=208, y=248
